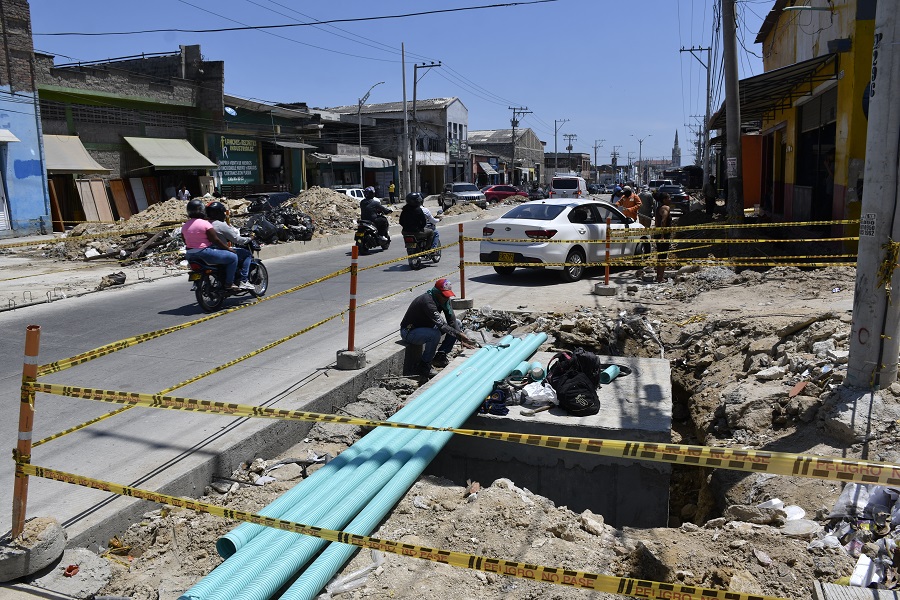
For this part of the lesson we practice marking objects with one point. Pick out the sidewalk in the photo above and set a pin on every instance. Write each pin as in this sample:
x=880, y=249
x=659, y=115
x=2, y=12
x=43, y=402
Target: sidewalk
x=26, y=280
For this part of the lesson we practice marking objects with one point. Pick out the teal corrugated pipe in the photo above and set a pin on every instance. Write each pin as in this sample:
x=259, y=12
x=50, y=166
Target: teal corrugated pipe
x=317, y=575
x=264, y=545
x=231, y=542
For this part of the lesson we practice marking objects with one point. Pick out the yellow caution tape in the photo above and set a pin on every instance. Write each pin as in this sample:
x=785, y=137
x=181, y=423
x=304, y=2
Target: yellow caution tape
x=642, y=262
x=86, y=236
x=625, y=586
x=777, y=463
x=703, y=226
x=408, y=256
x=405, y=290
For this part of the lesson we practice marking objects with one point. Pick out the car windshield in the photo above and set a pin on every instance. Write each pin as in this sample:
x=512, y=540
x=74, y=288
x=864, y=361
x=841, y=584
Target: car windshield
x=465, y=187
x=537, y=212
x=565, y=184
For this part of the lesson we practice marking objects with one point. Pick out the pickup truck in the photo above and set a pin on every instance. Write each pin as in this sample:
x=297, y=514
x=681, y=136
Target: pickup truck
x=461, y=193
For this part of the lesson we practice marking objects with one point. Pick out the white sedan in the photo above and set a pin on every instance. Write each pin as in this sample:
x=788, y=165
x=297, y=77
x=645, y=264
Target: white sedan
x=543, y=224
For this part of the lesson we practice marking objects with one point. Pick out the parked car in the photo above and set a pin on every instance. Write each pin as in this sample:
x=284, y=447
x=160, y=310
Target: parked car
x=260, y=200
x=461, y=193
x=655, y=183
x=571, y=220
x=536, y=193
x=498, y=193
x=353, y=192
x=681, y=200
x=595, y=188
x=568, y=186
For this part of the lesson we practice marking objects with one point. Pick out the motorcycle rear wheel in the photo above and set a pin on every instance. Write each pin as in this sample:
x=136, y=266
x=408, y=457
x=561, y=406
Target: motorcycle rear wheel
x=436, y=256
x=210, y=295
x=415, y=263
x=386, y=244
x=363, y=247
x=259, y=277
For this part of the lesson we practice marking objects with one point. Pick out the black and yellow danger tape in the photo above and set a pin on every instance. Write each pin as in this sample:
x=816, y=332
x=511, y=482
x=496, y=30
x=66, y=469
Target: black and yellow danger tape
x=641, y=262
x=406, y=290
x=756, y=461
x=609, y=584
x=704, y=226
x=408, y=256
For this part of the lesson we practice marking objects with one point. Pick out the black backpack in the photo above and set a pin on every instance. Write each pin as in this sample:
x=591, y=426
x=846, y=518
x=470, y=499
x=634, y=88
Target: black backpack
x=576, y=376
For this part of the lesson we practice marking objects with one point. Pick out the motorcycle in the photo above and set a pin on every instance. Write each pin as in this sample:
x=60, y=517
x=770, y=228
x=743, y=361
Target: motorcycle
x=367, y=236
x=417, y=242
x=209, y=280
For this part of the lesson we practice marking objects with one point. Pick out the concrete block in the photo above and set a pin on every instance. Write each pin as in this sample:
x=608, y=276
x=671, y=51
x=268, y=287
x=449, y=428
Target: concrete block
x=42, y=543
x=351, y=361
x=93, y=573
x=462, y=303
x=604, y=290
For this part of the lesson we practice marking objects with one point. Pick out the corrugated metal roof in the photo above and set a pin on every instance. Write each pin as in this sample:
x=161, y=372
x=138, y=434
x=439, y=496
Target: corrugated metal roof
x=388, y=107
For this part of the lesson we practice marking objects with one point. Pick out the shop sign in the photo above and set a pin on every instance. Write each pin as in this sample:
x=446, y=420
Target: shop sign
x=238, y=159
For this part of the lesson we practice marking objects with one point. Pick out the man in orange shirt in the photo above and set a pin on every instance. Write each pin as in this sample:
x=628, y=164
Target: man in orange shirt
x=629, y=203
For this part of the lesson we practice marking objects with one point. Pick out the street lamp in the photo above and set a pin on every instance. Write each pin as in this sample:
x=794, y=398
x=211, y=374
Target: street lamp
x=359, y=121
x=640, y=165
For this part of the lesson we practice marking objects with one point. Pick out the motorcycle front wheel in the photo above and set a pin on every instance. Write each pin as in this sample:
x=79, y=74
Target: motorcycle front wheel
x=210, y=295
x=259, y=277
x=386, y=244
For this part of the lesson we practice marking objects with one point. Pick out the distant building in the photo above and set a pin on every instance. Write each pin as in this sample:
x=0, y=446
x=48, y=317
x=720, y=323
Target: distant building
x=522, y=169
x=676, y=152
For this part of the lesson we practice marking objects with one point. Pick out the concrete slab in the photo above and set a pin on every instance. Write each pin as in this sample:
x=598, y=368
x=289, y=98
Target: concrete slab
x=627, y=493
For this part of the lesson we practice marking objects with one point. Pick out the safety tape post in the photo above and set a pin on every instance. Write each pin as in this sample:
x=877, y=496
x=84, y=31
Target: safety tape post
x=757, y=461
x=22, y=453
x=554, y=575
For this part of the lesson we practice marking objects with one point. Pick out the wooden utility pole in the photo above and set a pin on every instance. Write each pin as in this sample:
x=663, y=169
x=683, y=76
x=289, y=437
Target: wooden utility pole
x=875, y=331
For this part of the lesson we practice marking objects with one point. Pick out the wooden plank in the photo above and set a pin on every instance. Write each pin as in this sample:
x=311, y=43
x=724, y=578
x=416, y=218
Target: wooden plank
x=101, y=200
x=151, y=190
x=87, y=200
x=55, y=212
x=137, y=188
x=120, y=198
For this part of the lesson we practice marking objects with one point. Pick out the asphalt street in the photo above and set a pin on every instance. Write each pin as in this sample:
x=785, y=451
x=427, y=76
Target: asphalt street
x=151, y=448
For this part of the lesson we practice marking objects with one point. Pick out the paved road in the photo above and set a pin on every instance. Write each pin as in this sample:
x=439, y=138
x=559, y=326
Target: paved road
x=150, y=448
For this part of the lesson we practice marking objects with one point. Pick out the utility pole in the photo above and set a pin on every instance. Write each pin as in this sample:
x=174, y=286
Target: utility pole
x=415, y=141
x=706, y=65
x=875, y=331
x=630, y=168
x=404, y=182
x=733, y=163
x=597, y=145
x=614, y=156
x=557, y=124
x=569, y=137
x=640, y=150
x=517, y=111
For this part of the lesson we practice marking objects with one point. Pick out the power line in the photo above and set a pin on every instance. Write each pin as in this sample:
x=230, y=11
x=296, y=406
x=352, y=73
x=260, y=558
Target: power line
x=310, y=24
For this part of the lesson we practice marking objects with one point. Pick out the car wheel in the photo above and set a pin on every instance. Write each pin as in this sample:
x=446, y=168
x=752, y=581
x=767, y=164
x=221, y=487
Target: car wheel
x=505, y=271
x=576, y=271
x=642, y=247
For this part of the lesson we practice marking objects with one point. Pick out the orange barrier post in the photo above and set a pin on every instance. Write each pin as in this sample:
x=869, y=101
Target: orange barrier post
x=608, y=227
x=351, y=317
x=462, y=264
x=26, y=421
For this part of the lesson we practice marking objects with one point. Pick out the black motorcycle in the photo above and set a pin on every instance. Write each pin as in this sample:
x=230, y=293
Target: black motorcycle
x=209, y=280
x=367, y=236
x=417, y=242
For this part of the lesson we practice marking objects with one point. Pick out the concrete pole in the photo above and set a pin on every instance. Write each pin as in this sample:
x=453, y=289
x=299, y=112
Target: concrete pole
x=706, y=122
x=413, y=167
x=734, y=174
x=557, y=124
x=404, y=181
x=875, y=332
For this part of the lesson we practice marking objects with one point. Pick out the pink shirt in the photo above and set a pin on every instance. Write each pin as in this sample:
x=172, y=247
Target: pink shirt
x=194, y=233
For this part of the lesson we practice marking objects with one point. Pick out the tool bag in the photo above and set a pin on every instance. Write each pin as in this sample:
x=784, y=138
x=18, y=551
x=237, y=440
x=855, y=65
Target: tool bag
x=576, y=376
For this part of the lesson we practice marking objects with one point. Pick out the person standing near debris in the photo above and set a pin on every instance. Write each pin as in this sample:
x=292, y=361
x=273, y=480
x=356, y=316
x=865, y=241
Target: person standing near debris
x=629, y=203
x=217, y=214
x=428, y=318
x=710, y=195
x=646, y=211
x=202, y=242
x=183, y=193
x=663, y=219
x=392, y=192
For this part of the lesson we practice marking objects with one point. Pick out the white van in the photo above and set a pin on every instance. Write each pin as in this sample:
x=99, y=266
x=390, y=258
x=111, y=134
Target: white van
x=568, y=186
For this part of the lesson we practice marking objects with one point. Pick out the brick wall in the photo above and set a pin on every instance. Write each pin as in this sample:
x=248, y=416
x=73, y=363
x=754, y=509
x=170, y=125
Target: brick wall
x=16, y=64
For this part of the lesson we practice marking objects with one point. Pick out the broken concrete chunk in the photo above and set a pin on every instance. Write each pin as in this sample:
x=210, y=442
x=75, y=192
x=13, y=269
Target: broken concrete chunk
x=840, y=357
x=592, y=523
x=820, y=349
x=847, y=414
x=771, y=374
x=43, y=541
x=755, y=514
x=765, y=345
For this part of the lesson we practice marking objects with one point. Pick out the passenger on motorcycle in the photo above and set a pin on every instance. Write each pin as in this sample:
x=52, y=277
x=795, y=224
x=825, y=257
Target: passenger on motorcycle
x=203, y=243
x=217, y=213
x=415, y=217
x=372, y=210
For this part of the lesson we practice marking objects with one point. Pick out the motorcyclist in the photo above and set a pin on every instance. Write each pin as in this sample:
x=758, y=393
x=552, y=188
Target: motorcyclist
x=217, y=214
x=202, y=242
x=415, y=217
x=372, y=210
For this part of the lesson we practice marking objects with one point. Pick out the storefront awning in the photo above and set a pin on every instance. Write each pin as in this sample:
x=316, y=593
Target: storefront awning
x=297, y=145
x=7, y=136
x=170, y=154
x=776, y=90
x=66, y=154
x=369, y=162
x=487, y=168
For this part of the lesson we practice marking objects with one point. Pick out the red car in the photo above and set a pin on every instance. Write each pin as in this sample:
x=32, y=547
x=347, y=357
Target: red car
x=498, y=193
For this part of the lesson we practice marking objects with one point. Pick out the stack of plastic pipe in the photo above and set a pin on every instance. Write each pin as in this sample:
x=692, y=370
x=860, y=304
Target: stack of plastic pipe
x=355, y=490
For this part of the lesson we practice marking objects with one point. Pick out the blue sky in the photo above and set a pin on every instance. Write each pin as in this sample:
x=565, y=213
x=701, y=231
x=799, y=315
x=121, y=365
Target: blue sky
x=611, y=67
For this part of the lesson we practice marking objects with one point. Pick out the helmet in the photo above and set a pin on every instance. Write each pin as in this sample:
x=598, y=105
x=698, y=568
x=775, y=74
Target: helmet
x=369, y=192
x=195, y=209
x=414, y=198
x=216, y=211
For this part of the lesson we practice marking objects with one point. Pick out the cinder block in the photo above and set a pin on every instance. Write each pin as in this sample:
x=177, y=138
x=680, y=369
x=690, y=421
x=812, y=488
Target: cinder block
x=461, y=303
x=604, y=290
x=351, y=361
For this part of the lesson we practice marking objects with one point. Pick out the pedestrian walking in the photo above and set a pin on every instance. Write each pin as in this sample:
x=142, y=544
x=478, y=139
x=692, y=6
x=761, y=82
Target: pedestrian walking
x=710, y=195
